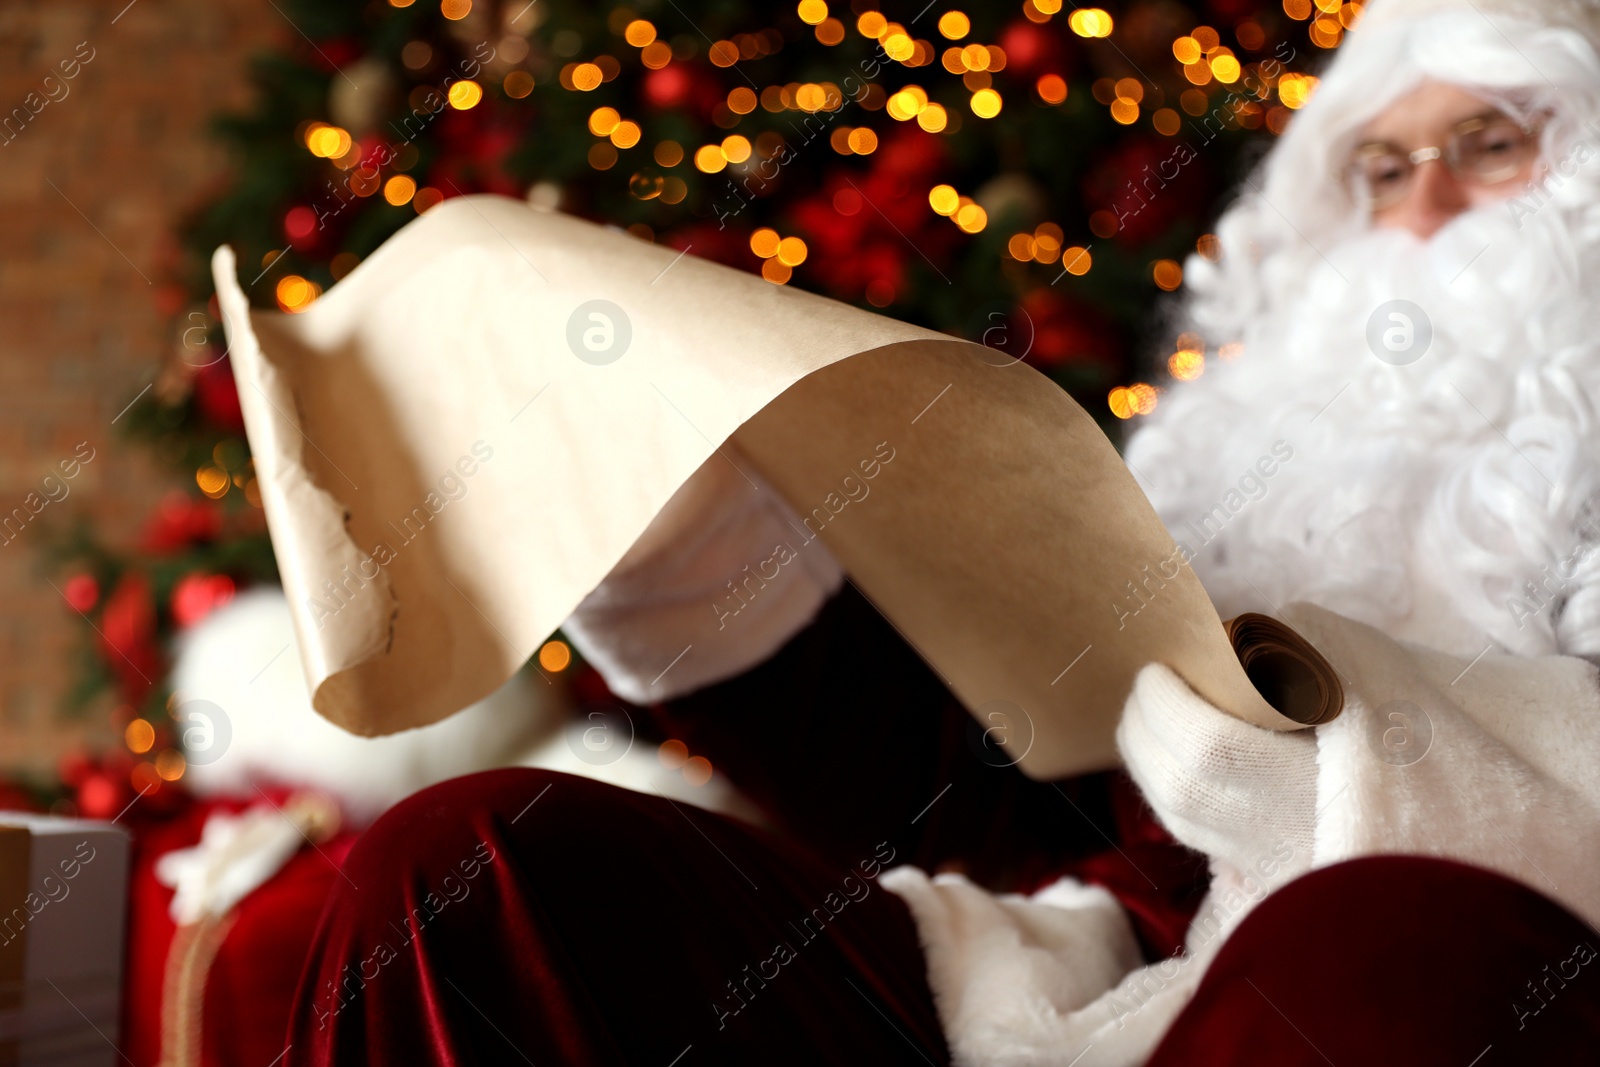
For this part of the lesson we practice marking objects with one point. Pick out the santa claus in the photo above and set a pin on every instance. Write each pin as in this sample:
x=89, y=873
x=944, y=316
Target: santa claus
x=1399, y=456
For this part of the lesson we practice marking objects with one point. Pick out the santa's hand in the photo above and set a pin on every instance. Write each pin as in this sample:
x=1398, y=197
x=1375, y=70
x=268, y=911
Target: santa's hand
x=1232, y=790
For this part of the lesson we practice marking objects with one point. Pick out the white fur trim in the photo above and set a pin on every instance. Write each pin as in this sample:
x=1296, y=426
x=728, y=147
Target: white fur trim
x=1023, y=981
x=243, y=658
x=727, y=528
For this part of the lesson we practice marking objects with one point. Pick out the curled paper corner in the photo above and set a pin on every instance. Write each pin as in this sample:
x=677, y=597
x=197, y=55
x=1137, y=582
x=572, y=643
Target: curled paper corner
x=307, y=513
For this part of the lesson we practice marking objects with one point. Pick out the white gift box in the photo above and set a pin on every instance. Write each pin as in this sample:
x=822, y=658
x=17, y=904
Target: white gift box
x=63, y=913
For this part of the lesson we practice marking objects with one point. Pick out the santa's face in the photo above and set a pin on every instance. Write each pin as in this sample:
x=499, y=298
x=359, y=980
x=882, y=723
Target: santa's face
x=1424, y=383
x=1436, y=153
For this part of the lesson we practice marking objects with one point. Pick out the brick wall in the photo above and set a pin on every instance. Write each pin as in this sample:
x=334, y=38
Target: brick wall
x=90, y=189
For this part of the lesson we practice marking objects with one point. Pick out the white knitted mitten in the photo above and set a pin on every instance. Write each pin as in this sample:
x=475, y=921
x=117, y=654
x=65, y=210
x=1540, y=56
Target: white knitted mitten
x=1234, y=791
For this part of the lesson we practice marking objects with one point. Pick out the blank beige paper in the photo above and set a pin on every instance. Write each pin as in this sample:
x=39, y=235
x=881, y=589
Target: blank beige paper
x=456, y=444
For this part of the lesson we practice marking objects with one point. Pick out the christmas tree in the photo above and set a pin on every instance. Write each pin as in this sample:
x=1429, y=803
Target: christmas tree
x=1024, y=175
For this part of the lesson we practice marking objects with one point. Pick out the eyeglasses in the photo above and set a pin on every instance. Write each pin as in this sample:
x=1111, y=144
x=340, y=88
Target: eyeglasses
x=1485, y=150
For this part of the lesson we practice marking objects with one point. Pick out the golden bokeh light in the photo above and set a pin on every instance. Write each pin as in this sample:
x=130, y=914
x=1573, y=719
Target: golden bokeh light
x=697, y=770
x=464, y=95
x=986, y=103
x=1186, y=364
x=1052, y=88
x=455, y=10
x=1168, y=274
x=791, y=251
x=602, y=120
x=639, y=33
x=1225, y=68
x=1076, y=260
x=812, y=12
x=139, y=736
x=709, y=158
x=932, y=118
x=776, y=271
x=294, y=293
x=971, y=218
x=399, y=189
x=898, y=45
x=862, y=141
x=669, y=153
x=327, y=142
x=1020, y=247
x=1090, y=22
x=1186, y=50
x=587, y=77
x=1295, y=89
x=170, y=765
x=518, y=84
x=954, y=25
x=555, y=656
x=944, y=199
x=764, y=242
x=1120, y=401
x=736, y=148
x=625, y=134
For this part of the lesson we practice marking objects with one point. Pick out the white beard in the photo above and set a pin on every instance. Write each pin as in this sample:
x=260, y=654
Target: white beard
x=1420, y=499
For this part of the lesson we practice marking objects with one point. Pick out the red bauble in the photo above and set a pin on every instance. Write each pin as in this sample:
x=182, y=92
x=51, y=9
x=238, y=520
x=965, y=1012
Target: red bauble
x=82, y=592
x=1067, y=332
x=100, y=796
x=668, y=87
x=179, y=522
x=128, y=636
x=1030, y=49
x=198, y=595
x=217, y=397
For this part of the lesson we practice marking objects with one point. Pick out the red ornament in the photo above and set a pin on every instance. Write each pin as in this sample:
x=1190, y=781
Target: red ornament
x=1029, y=49
x=668, y=87
x=82, y=592
x=99, y=796
x=198, y=595
x=128, y=636
x=300, y=227
x=179, y=522
x=217, y=397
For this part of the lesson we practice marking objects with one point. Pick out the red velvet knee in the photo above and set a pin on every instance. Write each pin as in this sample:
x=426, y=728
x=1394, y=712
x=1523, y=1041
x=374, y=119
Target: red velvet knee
x=529, y=914
x=1397, y=960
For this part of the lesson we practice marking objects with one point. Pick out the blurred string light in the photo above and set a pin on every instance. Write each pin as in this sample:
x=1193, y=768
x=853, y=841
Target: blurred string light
x=555, y=656
x=779, y=255
x=1085, y=21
